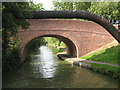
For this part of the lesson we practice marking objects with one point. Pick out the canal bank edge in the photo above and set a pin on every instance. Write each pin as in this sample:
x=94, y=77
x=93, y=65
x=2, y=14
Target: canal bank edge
x=88, y=64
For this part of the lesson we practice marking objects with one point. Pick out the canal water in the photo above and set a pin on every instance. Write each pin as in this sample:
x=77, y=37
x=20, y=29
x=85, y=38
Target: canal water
x=45, y=70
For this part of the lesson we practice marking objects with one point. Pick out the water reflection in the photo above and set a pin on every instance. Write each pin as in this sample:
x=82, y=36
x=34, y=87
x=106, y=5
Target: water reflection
x=45, y=71
x=47, y=66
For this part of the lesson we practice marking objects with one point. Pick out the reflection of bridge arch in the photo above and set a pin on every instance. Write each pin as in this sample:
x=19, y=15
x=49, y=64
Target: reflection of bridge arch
x=81, y=37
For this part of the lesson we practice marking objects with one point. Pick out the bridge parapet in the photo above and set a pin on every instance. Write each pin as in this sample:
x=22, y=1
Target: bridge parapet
x=65, y=25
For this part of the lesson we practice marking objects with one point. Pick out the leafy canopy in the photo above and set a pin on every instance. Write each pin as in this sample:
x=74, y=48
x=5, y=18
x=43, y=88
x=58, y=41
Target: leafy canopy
x=14, y=14
x=108, y=10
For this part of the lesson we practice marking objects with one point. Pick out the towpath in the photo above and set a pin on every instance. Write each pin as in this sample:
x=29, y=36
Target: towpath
x=98, y=62
x=71, y=60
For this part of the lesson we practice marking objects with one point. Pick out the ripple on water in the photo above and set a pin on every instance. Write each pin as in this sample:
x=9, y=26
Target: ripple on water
x=50, y=72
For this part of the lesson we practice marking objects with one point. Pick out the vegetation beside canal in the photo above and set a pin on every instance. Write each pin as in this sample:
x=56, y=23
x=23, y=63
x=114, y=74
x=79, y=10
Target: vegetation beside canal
x=114, y=72
x=54, y=44
x=110, y=55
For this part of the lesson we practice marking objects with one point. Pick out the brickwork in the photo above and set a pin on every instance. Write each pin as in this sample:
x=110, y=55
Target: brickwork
x=81, y=37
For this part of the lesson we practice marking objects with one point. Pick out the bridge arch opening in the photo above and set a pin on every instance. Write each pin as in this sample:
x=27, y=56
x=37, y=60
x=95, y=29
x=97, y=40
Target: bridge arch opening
x=71, y=48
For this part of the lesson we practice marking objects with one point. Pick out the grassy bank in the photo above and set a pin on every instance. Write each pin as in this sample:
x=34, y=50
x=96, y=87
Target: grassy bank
x=110, y=55
x=56, y=50
x=108, y=70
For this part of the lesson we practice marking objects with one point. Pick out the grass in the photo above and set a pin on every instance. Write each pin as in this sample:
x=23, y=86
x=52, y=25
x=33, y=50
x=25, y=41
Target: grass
x=111, y=71
x=56, y=50
x=110, y=55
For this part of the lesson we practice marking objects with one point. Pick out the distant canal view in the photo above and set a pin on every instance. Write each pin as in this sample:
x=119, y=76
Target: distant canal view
x=45, y=70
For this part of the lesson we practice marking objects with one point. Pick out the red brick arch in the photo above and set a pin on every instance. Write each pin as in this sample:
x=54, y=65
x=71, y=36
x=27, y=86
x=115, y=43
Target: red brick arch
x=71, y=47
x=81, y=37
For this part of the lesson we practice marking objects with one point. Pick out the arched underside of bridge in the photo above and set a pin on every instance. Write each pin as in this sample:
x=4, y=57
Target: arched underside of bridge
x=71, y=47
x=81, y=37
x=86, y=38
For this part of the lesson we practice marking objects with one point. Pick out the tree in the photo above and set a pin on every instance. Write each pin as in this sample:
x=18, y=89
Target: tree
x=71, y=5
x=34, y=45
x=108, y=10
x=62, y=5
x=14, y=14
x=35, y=7
x=82, y=6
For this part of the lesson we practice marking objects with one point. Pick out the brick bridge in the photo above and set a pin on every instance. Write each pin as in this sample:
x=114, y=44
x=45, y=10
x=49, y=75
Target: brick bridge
x=80, y=37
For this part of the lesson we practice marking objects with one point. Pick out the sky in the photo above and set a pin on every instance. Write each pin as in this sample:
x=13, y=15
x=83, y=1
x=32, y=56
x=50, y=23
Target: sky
x=47, y=4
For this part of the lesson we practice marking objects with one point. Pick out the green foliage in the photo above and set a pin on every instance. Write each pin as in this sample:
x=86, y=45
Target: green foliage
x=11, y=61
x=71, y=5
x=119, y=15
x=110, y=55
x=51, y=41
x=35, y=7
x=55, y=45
x=54, y=49
x=13, y=16
x=82, y=6
x=35, y=44
x=92, y=54
x=108, y=10
x=63, y=5
x=107, y=70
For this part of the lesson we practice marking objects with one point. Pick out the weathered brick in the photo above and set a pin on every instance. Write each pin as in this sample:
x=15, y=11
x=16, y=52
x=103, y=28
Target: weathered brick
x=81, y=37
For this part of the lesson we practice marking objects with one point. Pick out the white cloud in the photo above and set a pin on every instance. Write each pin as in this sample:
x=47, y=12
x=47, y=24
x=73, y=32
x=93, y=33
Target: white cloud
x=47, y=4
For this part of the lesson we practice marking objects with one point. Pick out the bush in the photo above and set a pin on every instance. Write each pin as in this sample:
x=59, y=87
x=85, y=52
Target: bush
x=11, y=60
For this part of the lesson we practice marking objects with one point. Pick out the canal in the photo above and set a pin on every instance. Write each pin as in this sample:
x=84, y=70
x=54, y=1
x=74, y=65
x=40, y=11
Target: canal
x=45, y=70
